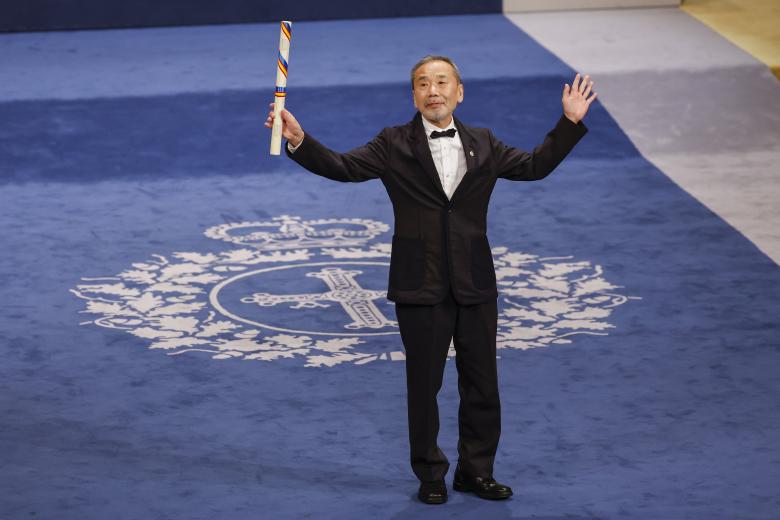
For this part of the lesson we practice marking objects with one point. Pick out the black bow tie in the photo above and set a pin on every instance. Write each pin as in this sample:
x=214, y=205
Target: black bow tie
x=446, y=133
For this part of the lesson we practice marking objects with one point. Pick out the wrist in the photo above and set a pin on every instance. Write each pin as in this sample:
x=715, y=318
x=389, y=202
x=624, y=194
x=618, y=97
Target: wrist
x=570, y=118
x=296, y=140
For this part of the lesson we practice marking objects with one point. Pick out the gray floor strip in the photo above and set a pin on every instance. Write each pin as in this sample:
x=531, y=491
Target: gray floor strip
x=698, y=107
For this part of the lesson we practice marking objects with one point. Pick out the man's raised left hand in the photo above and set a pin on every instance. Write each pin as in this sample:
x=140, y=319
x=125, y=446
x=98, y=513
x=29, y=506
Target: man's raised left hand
x=575, y=98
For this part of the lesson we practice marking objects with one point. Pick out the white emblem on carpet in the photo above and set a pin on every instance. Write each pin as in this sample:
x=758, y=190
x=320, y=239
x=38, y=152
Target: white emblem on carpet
x=315, y=291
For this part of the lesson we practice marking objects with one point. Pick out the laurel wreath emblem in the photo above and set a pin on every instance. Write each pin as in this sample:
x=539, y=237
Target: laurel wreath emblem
x=164, y=300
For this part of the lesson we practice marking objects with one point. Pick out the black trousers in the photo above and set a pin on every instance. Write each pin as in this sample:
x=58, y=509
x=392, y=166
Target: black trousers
x=426, y=332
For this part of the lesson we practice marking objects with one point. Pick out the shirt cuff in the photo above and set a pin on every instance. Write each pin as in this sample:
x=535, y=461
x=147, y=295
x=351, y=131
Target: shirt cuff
x=292, y=148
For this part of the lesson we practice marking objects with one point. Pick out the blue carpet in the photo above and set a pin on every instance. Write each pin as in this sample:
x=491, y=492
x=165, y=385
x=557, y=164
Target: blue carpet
x=639, y=375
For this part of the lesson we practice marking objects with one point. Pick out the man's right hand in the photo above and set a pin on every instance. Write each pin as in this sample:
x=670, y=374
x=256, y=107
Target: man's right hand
x=291, y=130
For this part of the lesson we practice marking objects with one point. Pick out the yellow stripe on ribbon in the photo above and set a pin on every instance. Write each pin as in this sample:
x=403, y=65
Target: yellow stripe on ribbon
x=286, y=30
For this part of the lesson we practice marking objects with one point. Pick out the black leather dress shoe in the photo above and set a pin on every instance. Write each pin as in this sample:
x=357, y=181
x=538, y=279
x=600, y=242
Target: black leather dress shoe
x=434, y=492
x=483, y=487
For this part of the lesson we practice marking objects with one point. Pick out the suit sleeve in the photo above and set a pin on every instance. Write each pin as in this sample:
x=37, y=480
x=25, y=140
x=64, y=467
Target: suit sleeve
x=518, y=165
x=360, y=164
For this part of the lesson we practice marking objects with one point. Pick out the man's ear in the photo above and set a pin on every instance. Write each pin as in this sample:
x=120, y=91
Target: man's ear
x=460, y=92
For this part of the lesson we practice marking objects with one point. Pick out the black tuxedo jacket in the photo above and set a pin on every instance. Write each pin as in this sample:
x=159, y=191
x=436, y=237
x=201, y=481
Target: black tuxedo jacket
x=439, y=243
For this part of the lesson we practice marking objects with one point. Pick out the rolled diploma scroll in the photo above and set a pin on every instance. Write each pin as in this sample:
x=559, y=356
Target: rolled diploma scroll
x=281, y=86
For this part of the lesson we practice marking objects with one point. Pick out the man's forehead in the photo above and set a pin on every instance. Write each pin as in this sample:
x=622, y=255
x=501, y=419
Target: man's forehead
x=440, y=69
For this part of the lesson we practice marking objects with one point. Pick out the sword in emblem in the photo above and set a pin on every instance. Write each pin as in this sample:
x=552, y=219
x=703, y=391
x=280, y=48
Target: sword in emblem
x=356, y=301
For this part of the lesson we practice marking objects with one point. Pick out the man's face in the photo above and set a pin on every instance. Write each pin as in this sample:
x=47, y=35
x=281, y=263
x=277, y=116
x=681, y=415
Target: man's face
x=437, y=92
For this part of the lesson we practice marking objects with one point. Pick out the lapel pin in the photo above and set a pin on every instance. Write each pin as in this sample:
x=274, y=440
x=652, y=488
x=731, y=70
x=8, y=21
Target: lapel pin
x=471, y=153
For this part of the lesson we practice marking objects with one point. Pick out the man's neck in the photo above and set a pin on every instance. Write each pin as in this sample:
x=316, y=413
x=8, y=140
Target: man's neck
x=440, y=124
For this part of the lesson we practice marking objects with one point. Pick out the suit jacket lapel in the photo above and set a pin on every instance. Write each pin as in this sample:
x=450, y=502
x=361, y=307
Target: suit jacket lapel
x=422, y=151
x=470, y=149
x=469, y=146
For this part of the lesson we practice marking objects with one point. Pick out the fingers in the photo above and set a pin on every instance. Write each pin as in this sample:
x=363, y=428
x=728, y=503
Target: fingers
x=290, y=120
x=590, y=100
x=286, y=116
x=285, y=113
x=584, y=84
x=269, y=122
x=290, y=126
x=587, y=88
x=581, y=86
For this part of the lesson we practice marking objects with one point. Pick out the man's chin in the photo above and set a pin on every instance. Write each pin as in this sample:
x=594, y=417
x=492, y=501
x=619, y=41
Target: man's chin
x=435, y=115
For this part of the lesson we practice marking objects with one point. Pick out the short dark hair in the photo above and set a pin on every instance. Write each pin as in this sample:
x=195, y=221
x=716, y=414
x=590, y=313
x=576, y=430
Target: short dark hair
x=431, y=58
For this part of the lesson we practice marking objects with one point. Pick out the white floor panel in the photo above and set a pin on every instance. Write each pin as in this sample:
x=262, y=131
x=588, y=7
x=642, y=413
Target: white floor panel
x=695, y=105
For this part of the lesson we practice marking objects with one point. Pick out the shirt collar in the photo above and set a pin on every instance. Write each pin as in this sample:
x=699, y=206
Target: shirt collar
x=430, y=127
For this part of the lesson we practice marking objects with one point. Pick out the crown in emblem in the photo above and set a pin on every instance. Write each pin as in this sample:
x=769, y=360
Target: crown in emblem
x=290, y=232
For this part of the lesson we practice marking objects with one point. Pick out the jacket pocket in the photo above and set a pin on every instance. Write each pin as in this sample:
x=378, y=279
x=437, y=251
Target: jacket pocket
x=483, y=273
x=407, y=263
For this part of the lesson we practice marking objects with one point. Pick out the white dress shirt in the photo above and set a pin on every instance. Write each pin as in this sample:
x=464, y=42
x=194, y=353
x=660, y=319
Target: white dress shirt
x=447, y=153
x=448, y=156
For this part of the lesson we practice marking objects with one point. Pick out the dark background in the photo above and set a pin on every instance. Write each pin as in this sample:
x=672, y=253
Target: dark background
x=49, y=15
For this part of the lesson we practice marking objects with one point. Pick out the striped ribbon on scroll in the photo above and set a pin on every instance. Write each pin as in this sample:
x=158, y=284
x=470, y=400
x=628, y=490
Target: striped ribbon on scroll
x=285, y=33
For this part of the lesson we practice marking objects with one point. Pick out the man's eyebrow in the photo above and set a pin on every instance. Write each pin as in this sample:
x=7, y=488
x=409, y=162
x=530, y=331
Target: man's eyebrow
x=441, y=75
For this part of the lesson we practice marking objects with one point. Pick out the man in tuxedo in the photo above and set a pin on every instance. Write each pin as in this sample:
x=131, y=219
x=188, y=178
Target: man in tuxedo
x=439, y=174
